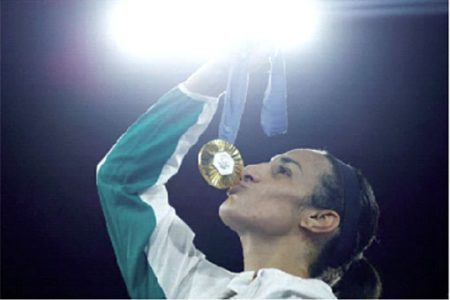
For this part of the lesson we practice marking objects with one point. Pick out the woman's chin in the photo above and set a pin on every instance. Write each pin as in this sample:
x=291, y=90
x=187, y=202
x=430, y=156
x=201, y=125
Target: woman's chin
x=228, y=213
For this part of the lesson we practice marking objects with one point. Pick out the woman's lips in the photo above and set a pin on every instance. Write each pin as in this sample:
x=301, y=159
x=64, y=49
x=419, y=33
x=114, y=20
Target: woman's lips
x=236, y=188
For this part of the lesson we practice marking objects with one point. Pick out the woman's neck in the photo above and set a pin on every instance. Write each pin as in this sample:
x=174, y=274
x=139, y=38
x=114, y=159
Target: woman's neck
x=285, y=253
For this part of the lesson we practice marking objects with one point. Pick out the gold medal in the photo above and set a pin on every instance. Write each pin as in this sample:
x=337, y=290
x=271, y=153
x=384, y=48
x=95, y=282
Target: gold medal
x=220, y=163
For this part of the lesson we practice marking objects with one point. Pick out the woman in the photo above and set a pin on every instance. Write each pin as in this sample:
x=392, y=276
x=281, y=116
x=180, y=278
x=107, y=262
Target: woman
x=304, y=218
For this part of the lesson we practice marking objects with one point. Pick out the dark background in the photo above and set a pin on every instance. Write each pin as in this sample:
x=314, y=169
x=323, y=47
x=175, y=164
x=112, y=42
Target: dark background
x=373, y=91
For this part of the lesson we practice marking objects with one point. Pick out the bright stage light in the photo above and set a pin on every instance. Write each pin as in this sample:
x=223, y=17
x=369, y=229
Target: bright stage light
x=283, y=23
x=205, y=27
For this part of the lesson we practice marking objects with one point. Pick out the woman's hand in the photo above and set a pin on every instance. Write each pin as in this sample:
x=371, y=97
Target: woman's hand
x=211, y=78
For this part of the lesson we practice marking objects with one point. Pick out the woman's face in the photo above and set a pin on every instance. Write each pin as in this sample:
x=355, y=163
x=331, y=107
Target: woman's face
x=270, y=195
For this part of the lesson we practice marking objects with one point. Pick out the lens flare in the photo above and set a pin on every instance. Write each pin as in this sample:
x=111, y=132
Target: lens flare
x=208, y=27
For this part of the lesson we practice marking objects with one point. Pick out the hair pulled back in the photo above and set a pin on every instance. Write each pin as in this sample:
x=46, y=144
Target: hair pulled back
x=353, y=276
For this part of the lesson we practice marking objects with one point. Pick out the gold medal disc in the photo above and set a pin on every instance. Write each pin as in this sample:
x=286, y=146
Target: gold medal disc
x=220, y=164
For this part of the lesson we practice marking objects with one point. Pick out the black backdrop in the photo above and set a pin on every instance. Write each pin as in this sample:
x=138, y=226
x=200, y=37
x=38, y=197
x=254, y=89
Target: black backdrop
x=373, y=91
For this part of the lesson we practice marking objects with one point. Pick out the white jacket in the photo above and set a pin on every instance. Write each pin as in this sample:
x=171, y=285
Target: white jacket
x=153, y=246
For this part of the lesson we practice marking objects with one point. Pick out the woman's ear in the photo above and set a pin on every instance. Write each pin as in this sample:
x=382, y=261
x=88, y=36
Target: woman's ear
x=319, y=220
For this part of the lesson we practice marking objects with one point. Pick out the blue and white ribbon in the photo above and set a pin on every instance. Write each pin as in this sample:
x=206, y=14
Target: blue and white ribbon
x=274, y=109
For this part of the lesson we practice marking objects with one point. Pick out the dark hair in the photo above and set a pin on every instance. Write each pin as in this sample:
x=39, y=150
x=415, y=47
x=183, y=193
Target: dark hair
x=352, y=276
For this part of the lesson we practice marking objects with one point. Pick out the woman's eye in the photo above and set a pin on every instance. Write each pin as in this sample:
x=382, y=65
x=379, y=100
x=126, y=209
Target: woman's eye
x=283, y=170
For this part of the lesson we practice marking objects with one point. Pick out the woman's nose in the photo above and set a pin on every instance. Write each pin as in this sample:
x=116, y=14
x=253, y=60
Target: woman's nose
x=252, y=173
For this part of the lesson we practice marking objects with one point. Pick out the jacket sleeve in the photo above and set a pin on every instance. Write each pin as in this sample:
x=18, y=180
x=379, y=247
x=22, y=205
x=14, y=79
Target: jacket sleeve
x=154, y=248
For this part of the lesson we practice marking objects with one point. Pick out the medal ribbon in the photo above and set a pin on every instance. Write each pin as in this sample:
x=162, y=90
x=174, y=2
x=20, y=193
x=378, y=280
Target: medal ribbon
x=274, y=109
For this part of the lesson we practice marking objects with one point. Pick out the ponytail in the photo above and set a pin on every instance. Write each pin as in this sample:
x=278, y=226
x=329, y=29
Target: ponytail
x=359, y=281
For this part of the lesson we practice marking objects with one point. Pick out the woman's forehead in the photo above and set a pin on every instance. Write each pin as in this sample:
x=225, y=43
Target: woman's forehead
x=308, y=157
x=303, y=153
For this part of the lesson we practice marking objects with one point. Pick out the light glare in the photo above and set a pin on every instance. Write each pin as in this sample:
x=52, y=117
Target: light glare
x=202, y=27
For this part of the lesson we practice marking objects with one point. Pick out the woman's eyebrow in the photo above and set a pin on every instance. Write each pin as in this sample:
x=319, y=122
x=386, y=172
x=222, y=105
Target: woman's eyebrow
x=287, y=160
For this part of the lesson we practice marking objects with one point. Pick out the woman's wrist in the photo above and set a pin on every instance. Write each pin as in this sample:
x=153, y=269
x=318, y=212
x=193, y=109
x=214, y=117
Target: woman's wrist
x=210, y=79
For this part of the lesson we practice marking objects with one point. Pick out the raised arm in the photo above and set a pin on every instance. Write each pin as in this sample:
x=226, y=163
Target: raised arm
x=131, y=178
x=210, y=79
